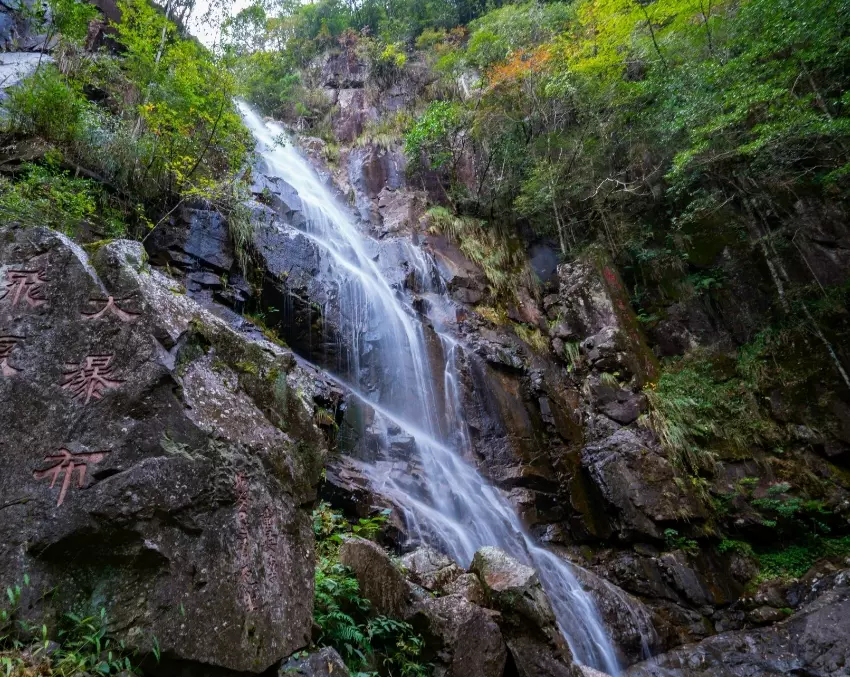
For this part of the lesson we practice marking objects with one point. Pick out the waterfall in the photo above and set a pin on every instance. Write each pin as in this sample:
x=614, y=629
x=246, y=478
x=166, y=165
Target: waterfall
x=447, y=502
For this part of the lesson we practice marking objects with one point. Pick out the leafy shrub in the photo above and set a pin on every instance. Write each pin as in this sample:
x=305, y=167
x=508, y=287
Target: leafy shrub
x=676, y=542
x=49, y=196
x=740, y=547
x=48, y=104
x=377, y=644
x=433, y=135
x=795, y=560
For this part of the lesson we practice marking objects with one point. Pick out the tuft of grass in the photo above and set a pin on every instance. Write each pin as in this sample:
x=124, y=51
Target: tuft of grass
x=533, y=337
x=696, y=411
x=573, y=354
x=501, y=258
x=497, y=316
x=387, y=132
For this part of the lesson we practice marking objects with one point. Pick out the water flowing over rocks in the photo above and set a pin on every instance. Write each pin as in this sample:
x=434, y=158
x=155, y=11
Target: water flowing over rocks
x=159, y=464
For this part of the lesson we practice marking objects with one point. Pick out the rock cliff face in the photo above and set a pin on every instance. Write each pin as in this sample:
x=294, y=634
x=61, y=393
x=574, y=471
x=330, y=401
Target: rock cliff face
x=160, y=455
x=560, y=428
x=561, y=423
x=154, y=462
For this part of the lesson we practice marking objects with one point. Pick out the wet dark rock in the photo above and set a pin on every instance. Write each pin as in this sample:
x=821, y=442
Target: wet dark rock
x=618, y=404
x=464, y=281
x=201, y=234
x=325, y=662
x=353, y=111
x=764, y=615
x=21, y=30
x=532, y=658
x=813, y=641
x=191, y=464
x=374, y=171
x=639, y=484
x=627, y=619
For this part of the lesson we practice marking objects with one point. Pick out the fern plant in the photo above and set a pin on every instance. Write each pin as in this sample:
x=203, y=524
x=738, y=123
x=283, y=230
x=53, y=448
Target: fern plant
x=369, y=644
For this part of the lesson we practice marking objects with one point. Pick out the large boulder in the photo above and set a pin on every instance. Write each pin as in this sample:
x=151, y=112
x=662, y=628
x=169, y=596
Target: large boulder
x=513, y=588
x=380, y=580
x=535, y=644
x=813, y=641
x=468, y=640
x=639, y=485
x=325, y=662
x=153, y=462
x=430, y=568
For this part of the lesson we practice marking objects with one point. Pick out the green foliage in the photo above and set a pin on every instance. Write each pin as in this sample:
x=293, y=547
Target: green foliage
x=369, y=644
x=84, y=644
x=497, y=34
x=532, y=336
x=675, y=542
x=433, y=135
x=71, y=18
x=740, y=547
x=697, y=410
x=795, y=560
x=501, y=258
x=49, y=196
x=48, y=105
x=163, y=129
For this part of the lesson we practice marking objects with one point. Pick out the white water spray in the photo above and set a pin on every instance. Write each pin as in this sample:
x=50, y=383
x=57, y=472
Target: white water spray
x=448, y=504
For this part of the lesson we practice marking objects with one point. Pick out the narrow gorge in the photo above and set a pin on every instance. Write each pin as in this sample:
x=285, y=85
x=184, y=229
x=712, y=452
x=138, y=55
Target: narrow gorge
x=405, y=339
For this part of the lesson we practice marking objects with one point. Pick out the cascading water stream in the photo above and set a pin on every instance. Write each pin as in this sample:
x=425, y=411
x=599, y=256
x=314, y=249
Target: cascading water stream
x=448, y=503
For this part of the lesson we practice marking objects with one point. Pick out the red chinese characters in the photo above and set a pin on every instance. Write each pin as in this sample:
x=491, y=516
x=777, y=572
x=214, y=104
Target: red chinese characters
x=111, y=307
x=90, y=378
x=7, y=344
x=66, y=465
x=24, y=286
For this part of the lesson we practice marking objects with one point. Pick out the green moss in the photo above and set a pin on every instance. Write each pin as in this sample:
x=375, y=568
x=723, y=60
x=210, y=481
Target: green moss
x=248, y=367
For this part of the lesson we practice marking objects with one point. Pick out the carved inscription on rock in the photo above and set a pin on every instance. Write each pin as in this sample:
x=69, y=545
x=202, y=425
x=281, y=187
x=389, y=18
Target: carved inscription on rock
x=24, y=286
x=7, y=345
x=246, y=574
x=109, y=306
x=66, y=465
x=270, y=545
x=90, y=378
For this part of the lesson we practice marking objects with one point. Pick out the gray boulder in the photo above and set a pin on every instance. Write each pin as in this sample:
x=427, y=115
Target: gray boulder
x=468, y=638
x=526, y=618
x=639, y=485
x=430, y=568
x=325, y=662
x=153, y=462
x=381, y=581
x=813, y=641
